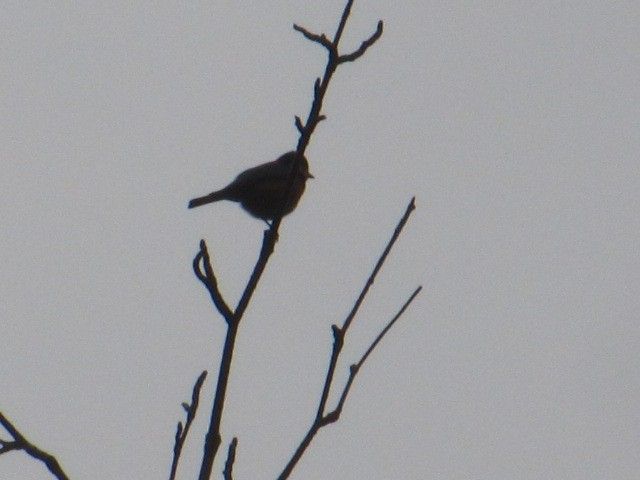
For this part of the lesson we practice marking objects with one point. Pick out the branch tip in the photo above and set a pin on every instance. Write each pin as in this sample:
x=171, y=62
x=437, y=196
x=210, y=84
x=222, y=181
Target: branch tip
x=183, y=430
x=314, y=37
x=363, y=46
x=231, y=458
x=337, y=332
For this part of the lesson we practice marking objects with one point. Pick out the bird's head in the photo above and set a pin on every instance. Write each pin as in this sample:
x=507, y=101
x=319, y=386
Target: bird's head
x=288, y=161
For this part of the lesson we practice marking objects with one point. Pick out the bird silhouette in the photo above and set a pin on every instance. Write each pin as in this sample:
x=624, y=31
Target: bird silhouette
x=262, y=190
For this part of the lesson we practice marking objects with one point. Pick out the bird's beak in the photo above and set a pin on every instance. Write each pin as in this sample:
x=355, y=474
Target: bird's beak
x=309, y=175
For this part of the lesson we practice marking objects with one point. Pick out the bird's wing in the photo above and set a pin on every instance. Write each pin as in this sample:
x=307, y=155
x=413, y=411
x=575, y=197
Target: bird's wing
x=266, y=171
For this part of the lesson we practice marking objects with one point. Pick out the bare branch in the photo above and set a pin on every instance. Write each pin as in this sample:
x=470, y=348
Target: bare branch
x=350, y=57
x=314, y=37
x=231, y=458
x=355, y=368
x=213, y=438
x=21, y=443
x=339, y=333
x=196, y=269
x=306, y=129
x=396, y=233
x=343, y=21
x=316, y=87
x=210, y=282
x=8, y=446
x=182, y=432
x=320, y=86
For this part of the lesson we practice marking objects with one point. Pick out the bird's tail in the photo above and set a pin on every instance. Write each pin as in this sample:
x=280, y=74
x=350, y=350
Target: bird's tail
x=212, y=197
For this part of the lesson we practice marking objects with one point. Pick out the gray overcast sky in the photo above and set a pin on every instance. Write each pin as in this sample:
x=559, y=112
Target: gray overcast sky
x=515, y=124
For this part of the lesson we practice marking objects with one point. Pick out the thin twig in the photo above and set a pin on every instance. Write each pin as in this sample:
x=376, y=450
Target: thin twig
x=182, y=432
x=231, y=458
x=321, y=39
x=322, y=418
x=350, y=57
x=212, y=438
x=320, y=86
x=208, y=278
x=340, y=333
x=21, y=443
x=355, y=368
x=343, y=21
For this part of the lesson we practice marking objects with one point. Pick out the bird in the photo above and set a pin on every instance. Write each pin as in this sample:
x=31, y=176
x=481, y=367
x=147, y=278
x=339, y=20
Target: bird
x=261, y=190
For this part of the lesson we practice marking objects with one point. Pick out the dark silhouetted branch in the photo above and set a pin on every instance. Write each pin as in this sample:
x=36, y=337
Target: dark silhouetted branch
x=209, y=280
x=343, y=21
x=231, y=458
x=306, y=129
x=320, y=85
x=212, y=438
x=355, y=368
x=340, y=333
x=19, y=442
x=363, y=46
x=181, y=432
x=321, y=39
x=323, y=418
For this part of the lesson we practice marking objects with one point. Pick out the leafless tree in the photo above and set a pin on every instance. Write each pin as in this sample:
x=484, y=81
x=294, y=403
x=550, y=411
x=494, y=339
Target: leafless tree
x=203, y=269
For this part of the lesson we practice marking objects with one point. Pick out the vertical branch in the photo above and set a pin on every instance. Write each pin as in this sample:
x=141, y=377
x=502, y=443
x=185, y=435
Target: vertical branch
x=343, y=21
x=335, y=59
x=231, y=458
x=183, y=431
x=213, y=438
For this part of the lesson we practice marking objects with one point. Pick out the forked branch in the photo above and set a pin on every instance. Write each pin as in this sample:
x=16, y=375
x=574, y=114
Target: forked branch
x=233, y=318
x=355, y=368
x=323, y=417
x=183, y=431
x=19, y=442
x=350, y=57
x=334, y=59
x=209, y=280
